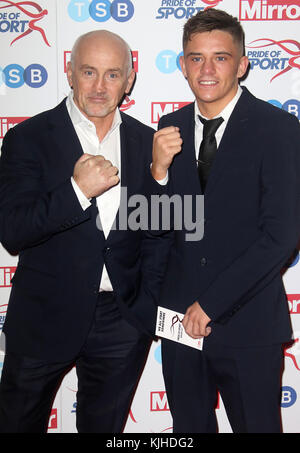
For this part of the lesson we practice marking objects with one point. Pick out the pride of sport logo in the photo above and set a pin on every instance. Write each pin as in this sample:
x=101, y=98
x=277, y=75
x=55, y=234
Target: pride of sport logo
x=101, y=10
x=183, y=9
x=21, y=18
x=277, y=56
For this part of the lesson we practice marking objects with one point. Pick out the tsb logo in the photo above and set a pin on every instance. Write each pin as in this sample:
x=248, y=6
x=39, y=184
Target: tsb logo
x=101, y=10
x=14, y=75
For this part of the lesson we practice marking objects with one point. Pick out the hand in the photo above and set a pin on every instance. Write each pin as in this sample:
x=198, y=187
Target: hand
x=166, y=144
x=195, y=321
x=94, y=175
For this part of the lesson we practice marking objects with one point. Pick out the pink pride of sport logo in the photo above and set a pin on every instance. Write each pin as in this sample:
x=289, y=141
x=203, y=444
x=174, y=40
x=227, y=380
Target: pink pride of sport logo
x=288, y=45
x=26, y=8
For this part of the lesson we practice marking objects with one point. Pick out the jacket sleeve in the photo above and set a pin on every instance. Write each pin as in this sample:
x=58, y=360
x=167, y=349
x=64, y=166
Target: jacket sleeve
x=29, y=214
x=279, y=229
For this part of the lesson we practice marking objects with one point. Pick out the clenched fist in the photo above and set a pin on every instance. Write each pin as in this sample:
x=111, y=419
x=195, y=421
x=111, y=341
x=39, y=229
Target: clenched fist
x=166, y=144
x=94, y=175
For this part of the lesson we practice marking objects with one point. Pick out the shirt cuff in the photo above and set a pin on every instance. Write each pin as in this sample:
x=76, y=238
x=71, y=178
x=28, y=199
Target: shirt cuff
x=163, y=181
x=84, y=202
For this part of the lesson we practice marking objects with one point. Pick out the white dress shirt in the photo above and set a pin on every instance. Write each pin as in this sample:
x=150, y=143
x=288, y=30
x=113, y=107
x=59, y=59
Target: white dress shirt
x=225, y=114
x=110, y=147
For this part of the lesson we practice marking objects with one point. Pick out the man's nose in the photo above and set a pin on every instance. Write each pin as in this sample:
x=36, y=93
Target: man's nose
x=100, y=83
x=208, y=66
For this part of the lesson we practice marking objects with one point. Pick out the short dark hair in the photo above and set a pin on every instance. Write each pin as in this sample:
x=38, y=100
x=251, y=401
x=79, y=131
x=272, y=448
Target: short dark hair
x=214, y=19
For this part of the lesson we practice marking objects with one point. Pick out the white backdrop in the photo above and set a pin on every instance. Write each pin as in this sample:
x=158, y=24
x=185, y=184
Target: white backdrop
x=35, y=41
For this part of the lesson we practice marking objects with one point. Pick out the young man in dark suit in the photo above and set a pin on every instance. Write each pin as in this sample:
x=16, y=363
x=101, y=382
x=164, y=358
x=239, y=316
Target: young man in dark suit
x=63, y=175
x=243, y=155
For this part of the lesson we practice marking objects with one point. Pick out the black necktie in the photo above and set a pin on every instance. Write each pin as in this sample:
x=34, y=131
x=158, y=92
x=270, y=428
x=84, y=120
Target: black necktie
x=208, y=148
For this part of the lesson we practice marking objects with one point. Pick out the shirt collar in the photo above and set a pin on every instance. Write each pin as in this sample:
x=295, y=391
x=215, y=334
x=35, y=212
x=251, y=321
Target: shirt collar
x=78, y=118
x=226, y=112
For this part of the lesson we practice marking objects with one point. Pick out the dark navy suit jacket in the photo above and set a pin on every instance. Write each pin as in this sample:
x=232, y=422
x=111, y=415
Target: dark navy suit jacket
x=61, y=250
x=251, y=210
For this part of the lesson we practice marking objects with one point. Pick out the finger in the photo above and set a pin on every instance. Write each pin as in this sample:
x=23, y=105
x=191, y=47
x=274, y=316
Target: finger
x=99, y=158
x=166, y=131
x=104, y=164
x=85, y=157
x=113, y=180
x=207, y=331
x=112, y=171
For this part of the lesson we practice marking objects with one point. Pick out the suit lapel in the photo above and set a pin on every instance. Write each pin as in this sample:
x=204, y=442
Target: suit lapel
x=185, y=161
x=64, y=137
x=130, y=172
x=232, y=142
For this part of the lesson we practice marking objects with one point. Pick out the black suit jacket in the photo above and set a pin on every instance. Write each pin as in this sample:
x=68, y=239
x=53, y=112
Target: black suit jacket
x=251, y=209
x=61, y=250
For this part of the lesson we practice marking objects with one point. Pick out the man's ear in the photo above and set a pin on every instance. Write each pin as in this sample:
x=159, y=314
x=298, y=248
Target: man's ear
x=243, y=66
x=69, y=74
x=130, y=81
x=182, y=65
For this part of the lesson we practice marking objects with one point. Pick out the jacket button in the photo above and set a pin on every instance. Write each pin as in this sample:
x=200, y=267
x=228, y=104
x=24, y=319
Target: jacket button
x=203, y=261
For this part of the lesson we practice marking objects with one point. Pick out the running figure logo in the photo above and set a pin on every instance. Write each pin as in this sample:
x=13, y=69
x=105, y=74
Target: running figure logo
x=34, y=17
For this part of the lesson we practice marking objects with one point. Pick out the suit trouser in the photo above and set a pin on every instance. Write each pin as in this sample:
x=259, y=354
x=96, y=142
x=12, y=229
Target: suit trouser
x=108, y=368
x=248, y=379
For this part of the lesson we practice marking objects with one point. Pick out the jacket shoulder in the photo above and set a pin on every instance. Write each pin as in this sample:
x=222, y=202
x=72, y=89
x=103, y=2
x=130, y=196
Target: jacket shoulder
x=138, y=126
x=182, y=114
x=266, y=113
x=33, y=124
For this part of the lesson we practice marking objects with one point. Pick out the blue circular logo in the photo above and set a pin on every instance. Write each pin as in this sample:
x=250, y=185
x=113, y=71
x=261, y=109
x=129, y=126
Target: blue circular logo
x=166, y=61
x=79, y=11
x=276, y=103
x=288, y=396
x=122, y=10
x=13, y=75
x=100, y=11
x=35, y=75
x=292, y=106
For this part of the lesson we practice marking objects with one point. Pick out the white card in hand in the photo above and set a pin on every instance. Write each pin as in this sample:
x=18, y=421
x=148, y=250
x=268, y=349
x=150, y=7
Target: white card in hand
x=168, y=325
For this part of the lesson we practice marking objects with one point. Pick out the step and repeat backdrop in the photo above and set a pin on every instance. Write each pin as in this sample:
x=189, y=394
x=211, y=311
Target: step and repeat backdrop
x=36, y=39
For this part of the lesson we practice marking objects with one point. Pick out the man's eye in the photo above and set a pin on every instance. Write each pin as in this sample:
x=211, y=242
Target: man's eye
x=113, y=75
x=88, y=73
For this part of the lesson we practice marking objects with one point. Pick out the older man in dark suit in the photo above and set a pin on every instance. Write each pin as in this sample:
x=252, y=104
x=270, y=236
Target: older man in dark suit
x=79, y=276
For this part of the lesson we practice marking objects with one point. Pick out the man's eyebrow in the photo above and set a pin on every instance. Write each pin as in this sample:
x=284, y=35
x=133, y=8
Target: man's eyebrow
x=87, y=66
x=219, y=52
